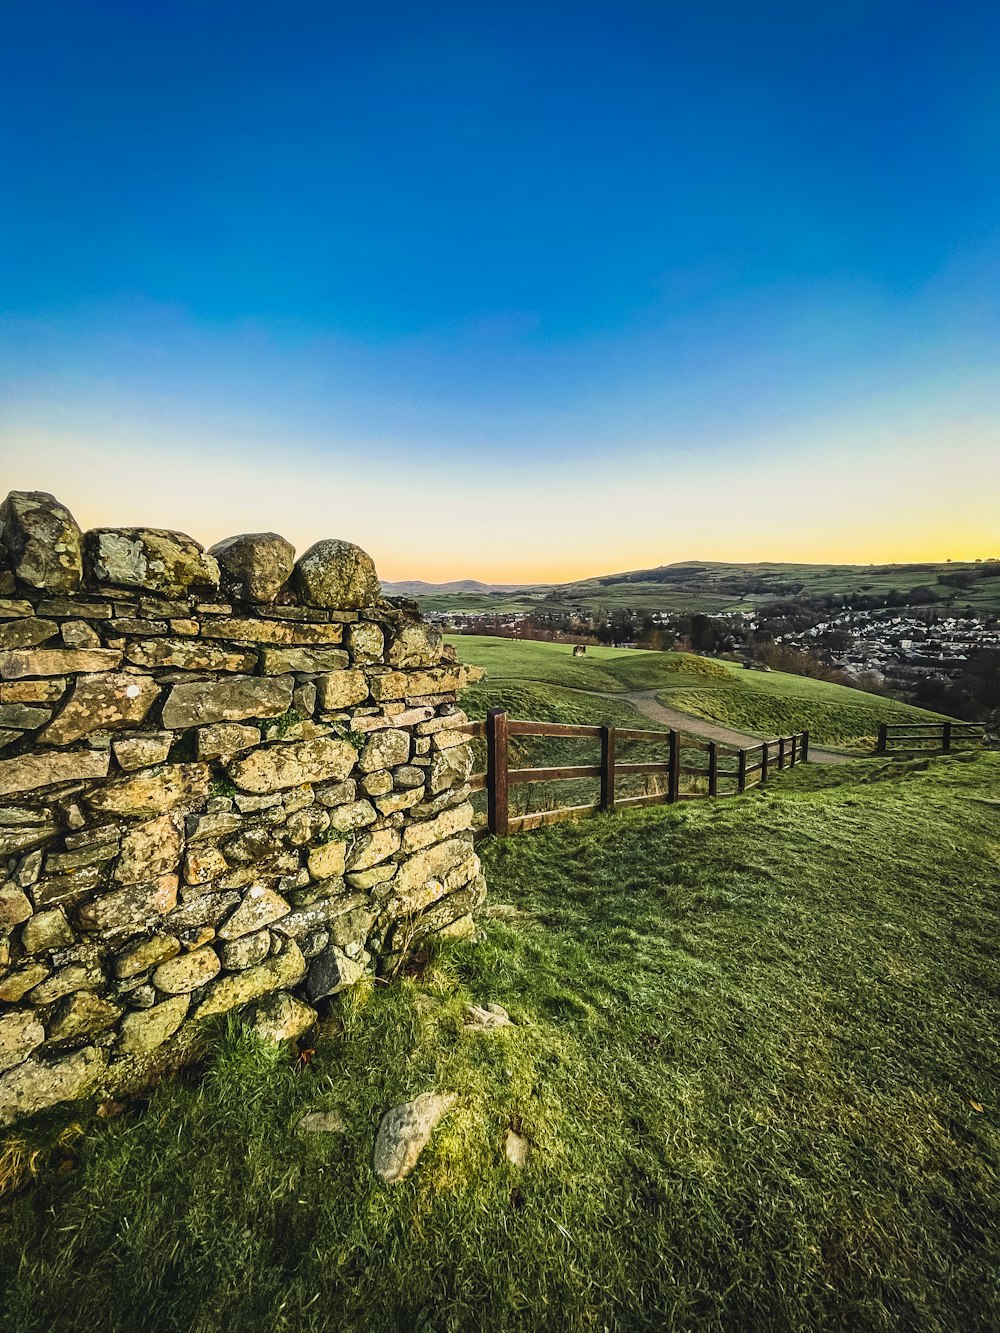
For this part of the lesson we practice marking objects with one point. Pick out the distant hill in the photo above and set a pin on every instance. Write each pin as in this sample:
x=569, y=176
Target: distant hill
x=418, y=588
x=703, y=585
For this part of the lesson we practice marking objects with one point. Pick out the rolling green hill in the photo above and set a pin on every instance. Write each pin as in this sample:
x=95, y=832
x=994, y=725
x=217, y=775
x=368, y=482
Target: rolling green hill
x=758, y=703
x=712, y=586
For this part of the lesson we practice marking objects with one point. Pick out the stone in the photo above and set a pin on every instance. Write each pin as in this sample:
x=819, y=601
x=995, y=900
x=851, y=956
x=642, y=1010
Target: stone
x=23, y=716
x=82, y=1015
x=415, y=644
x=46, y=930
x=78, y=634
x=515, y=1148
x=278, y=973
x=450, y=822
x=102, y=702
x=254, y=565
x=366, y=643
x=43, y=541
x=242, y=629
x=449, y=768
x=17, y=984
x=142, y=751
x=341, y=689
x=337, y=574
x=357, y=814
x=230, y=700
x=38, y=1084
x=384, y=749
x=20, y=1034
x=416, y=684
x=19, y=662
x=146, y=1031
x=485, y=1018
x=150, y=558
x=274, y=661
x=66, y=980
x=187, y=972
x=207, y=909
x=419, y=880
x=290, y=764
x=330, y=972
x=149, y=849
x=90, y=854
x=21, y=839
x=338, y=793
x=259, y=908
x=409, y=776
x=328, y=859
x=246, y=951
x=281, y=1017
x=189, y=655
x=14, y=907
x=399, y=800
x=131, y=908
x=32, y=691
x=322, y=1122
x=222, y=740
x=368, y=849
x=27, y=632
x=405, y=1131
x=378, y=783
x=152, y=791
x=143, y=954
x=203, y=864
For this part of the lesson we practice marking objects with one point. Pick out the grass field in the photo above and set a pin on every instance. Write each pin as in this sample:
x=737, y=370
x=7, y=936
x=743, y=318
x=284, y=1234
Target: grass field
x=756, y=1060
x=759, y=703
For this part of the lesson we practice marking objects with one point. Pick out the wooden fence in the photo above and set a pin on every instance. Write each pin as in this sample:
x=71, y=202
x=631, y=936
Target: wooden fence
x=754, y=764
x=937, y=735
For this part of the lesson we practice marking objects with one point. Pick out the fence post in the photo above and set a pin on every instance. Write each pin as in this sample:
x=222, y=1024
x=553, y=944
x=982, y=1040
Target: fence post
x=741, y=773
x=674, y=776
x=607, y=768
x=804, y=747
x=945, y=735
x=713, y=769
x=795, y=739
x=781, y=753
x=496, y=772
x=764, y=756
x=883, y=738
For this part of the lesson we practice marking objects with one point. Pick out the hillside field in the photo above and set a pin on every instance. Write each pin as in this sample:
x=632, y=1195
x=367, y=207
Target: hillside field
x=753, y=1067
x=758, y=703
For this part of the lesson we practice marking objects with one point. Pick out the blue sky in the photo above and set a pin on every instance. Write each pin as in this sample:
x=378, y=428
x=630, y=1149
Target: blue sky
x=635, y=271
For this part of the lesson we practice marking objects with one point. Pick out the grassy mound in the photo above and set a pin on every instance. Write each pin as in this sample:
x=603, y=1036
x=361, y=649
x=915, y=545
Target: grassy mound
x=771, y=703
x=756, y=1049
x=603, y=670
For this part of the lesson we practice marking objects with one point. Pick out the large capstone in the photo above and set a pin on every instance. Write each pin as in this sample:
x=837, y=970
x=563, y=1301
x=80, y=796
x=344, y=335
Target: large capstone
x=42, y=540
x=337, y=574
x=150, y=558
x=255, y=565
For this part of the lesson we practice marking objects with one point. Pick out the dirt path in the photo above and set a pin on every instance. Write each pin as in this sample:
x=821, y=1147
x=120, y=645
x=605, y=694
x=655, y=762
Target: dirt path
x=647, y=703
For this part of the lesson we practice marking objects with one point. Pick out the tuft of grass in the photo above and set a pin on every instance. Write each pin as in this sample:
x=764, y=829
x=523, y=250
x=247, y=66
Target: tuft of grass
x=755, y=1056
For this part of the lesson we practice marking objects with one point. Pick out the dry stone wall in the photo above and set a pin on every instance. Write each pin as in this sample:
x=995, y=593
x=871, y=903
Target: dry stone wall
x=227, y=778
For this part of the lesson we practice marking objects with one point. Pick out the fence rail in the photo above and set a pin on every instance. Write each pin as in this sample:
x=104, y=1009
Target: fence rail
x=500, y=777
x=942, y=735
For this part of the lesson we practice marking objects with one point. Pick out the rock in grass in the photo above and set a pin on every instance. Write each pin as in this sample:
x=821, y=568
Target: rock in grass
x=485, y=1018
x=322, y=1122
x=404, y=1133
x=516, y=1148
x=281, y=1017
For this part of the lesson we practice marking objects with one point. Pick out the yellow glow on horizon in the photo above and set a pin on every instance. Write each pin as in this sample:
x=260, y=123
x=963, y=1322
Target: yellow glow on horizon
x=929, y=494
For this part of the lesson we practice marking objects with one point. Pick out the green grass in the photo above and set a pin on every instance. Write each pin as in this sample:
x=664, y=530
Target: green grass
x=771, y=703
x=756, y=702
x=603, y=670
x=756, y=1057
